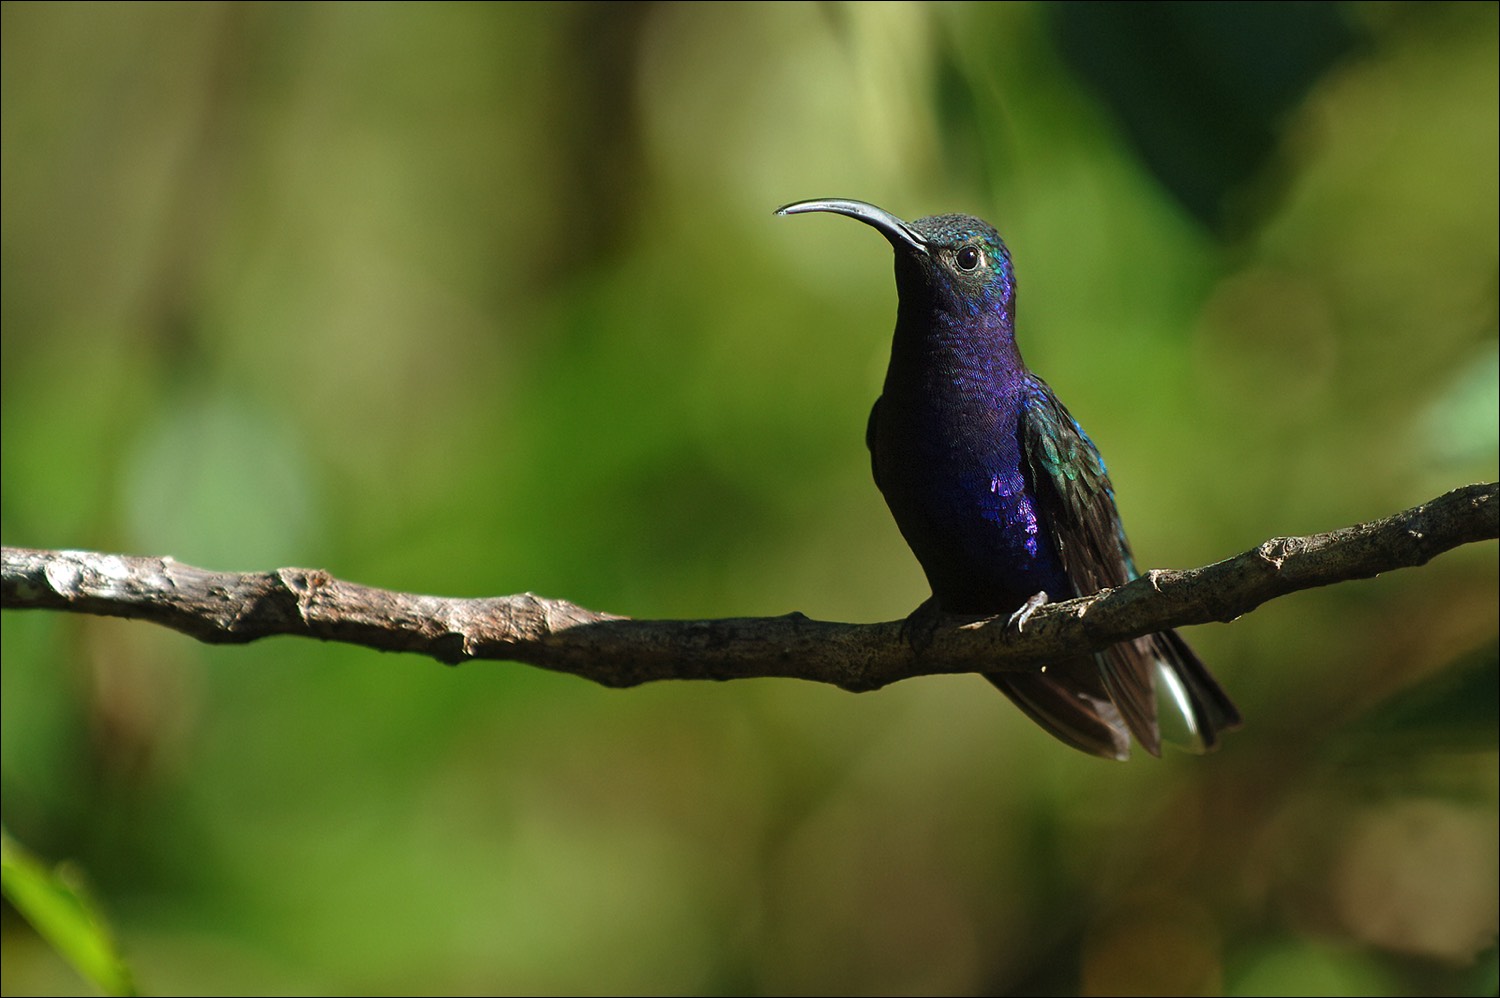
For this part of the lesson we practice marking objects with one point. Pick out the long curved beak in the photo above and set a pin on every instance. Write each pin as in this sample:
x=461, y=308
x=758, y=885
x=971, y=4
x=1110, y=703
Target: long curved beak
x=900, y=234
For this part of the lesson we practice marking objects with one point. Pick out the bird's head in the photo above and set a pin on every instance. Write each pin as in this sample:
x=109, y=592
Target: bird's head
x=949, y=263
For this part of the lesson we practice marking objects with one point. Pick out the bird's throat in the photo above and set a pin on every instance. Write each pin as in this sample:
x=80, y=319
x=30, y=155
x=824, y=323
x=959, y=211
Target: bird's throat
x=953, y=360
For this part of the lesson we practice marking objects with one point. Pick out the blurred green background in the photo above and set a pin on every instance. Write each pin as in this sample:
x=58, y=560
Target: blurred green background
x=477, y=299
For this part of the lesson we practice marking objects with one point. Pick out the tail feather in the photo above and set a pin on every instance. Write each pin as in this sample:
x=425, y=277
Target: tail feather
x=1198, y=697
x=1070, y=702
x=1096, y=704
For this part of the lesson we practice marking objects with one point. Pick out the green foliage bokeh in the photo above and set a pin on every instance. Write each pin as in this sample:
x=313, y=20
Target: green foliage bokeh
x=476, y=299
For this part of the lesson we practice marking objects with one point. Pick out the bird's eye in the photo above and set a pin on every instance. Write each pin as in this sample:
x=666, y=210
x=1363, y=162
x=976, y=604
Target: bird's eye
x=969, y=259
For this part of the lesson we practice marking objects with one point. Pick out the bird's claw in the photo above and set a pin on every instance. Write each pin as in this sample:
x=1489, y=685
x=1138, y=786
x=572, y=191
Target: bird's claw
x=1033, y=603
x=918, y=628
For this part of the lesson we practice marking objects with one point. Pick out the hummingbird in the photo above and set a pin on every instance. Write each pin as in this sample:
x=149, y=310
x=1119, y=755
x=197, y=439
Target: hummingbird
x=1004, y=499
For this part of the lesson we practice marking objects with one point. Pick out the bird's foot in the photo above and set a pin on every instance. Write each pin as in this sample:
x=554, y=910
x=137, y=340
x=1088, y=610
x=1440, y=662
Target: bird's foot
x=919, y=627
x=1033, y=603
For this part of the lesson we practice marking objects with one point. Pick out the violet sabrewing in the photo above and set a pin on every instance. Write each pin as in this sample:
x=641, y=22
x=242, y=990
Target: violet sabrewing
x=1002, y=496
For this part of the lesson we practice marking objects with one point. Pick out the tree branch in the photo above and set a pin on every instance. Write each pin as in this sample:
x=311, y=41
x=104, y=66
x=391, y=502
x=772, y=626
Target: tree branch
x=228, y=608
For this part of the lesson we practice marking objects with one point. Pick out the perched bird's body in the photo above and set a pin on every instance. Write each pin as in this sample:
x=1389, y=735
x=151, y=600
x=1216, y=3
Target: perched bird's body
x=1002, y=496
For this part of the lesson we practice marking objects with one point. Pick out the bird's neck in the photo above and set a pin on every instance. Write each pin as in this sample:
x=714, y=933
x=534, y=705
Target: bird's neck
x=950, y=356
